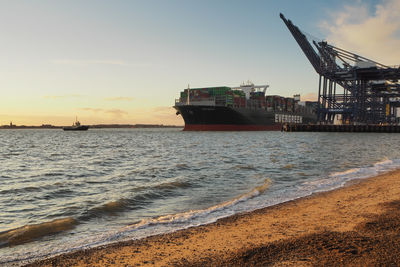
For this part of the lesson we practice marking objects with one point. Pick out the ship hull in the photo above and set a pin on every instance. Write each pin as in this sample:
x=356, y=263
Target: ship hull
x=76, y=128
x=231, y=127
x=222, y=118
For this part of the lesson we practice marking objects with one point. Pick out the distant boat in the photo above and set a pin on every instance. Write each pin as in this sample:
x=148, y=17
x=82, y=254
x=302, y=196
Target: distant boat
x=76, y=126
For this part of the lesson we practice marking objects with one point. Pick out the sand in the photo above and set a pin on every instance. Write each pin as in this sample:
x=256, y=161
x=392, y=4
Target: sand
x=358, y=224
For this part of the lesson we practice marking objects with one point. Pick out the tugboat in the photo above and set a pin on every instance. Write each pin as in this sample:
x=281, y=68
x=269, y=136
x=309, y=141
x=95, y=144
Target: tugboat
x=76, y=126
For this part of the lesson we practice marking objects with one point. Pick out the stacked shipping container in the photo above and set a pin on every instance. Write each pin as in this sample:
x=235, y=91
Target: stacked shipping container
x=257, y=100
x=289, y=104
x=275, y=103
x=222, y=95
x=237, y=98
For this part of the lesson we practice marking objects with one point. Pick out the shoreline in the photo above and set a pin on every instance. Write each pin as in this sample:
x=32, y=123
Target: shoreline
x=357, y=224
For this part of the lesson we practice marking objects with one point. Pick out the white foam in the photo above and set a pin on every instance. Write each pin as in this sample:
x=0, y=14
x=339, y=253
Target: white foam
x=384, y=162
x=345, y=173
x=338, y=179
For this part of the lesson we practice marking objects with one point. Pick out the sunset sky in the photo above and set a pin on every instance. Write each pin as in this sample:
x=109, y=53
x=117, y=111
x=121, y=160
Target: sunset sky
x=126, y=61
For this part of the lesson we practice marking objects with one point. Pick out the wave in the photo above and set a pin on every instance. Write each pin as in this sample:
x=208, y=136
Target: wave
x=344, y=173
x=51, y=174
x=60, y=193
x=173, y=185
x=111, y=208
x=338, y=179
x=186, y=217
x=383, y=162
x=245, y=167
x=173, y=222
x=256, y=191
x=182, y=166
x=386, y=165
x=16, y=191
x=33, y=185
x=144, y=196
x=32, y=232
x=381, y=166
x=288, y=166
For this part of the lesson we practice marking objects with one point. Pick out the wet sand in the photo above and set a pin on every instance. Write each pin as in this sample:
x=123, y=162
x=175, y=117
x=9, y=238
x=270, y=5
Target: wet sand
x=358, y=224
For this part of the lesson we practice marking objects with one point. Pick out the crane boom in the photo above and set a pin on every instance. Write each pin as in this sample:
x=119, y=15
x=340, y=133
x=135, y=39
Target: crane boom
x=304, y=44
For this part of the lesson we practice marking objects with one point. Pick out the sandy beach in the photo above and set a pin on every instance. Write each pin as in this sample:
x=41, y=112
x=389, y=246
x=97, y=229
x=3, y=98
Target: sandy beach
x=358, y=224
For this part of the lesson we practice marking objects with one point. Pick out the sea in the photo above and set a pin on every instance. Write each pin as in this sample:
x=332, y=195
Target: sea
x=64, y=191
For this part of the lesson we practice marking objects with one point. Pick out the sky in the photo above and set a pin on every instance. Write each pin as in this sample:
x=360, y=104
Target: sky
x=126, y=61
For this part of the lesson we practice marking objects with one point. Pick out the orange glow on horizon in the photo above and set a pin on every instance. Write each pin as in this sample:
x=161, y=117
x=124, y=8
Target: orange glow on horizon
x=164, y=116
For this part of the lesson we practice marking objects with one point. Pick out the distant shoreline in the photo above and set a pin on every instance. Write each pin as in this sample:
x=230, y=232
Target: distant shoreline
x=95, y=126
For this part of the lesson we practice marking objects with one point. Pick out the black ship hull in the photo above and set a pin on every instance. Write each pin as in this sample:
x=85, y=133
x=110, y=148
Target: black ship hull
x=76, y=128
x=222, y=118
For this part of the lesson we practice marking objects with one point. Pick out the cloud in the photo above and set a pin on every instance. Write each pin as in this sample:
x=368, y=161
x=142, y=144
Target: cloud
x=309, y=97
x=115, y=113
x=95, y=110
x=61, y=96
x=119, y=98
x=375, y=35
x=90, y=62
x=164, y=110
x=85, y=63
x=166, y=116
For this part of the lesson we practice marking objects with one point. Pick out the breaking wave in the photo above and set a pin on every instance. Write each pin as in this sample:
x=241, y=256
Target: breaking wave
x=385, y=161
x=338, y=179
x=144, y=197
x=189, y=216
x=345, y=173
x=32, y=232
x=110, y=208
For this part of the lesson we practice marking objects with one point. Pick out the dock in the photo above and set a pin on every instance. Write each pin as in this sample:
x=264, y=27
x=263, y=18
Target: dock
x=371, y=128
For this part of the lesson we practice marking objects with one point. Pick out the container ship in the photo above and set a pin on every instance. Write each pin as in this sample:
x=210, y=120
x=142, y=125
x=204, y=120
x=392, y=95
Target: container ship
x=243, y=108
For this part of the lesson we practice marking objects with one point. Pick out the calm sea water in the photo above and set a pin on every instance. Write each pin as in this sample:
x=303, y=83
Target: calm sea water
x=61, y=191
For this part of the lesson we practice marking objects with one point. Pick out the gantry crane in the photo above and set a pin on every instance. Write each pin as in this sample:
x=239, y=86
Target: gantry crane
x=368, y=92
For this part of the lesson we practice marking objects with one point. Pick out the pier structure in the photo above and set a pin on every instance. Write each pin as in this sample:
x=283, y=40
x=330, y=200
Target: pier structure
x=358, y=128
x=352, y=88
